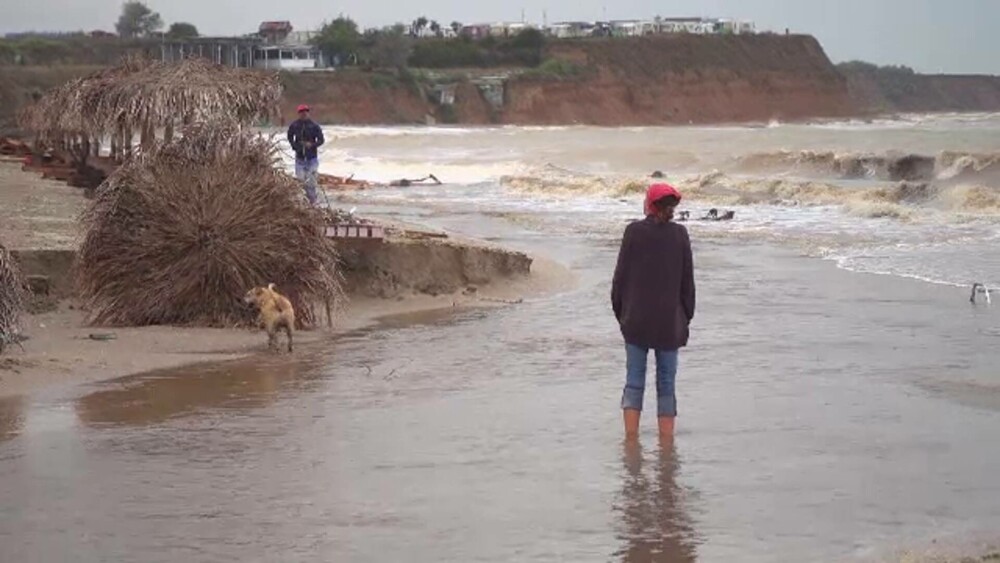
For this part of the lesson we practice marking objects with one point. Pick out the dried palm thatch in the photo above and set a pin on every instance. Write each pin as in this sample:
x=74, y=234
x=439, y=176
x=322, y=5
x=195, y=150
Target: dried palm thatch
x=178, y=234
x=64, y=117
x=142, y=97
x=195, y=89
x=13, y=294
x=69, y=108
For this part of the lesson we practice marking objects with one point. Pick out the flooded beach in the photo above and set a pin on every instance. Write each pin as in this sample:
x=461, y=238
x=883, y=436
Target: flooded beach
x=839, y=399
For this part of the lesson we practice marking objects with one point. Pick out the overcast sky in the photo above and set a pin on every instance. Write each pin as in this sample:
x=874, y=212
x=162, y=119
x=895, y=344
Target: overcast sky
x=956, y=36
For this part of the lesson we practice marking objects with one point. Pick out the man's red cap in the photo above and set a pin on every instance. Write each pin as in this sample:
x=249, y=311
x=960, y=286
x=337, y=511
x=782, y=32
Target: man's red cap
x=656, y=192
x=302, y=108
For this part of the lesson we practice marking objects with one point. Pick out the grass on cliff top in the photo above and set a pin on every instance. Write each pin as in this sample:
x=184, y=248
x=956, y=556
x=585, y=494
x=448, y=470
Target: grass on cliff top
x=555, y=69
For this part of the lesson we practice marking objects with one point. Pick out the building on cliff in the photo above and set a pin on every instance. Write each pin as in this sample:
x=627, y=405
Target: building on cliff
x=643, y=28
x=276, y=46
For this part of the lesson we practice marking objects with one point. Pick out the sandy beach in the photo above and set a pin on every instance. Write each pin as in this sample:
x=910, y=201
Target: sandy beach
x=63, y=350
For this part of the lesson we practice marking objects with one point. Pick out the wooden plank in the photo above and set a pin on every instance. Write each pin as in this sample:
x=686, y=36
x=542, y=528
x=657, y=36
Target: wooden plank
x=355, y=231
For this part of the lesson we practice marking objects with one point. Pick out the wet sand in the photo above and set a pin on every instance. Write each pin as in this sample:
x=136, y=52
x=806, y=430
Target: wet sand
x=42, y=214
x=807, y=432
x=60, y=352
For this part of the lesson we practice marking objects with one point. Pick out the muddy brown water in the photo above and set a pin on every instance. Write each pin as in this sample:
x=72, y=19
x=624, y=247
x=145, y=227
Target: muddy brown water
x=825, y=415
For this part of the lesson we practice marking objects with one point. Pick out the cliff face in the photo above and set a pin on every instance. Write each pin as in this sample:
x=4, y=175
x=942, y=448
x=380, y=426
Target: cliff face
x=354, y=97
x=21, y=85
x=683, y=79
x=660, y=80
x=879, y=91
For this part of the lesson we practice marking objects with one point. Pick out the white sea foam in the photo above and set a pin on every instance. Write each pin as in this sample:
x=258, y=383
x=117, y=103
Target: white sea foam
x=824, y=188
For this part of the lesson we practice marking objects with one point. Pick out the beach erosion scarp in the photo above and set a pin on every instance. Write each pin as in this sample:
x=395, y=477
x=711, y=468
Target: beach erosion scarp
x=409, y=270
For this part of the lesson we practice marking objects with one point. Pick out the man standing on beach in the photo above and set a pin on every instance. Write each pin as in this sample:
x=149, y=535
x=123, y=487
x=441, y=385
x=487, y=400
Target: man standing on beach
x=306, y=136
x=653, y=299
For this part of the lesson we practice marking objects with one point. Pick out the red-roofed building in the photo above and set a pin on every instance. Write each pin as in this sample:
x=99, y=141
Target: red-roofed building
x=275, y=32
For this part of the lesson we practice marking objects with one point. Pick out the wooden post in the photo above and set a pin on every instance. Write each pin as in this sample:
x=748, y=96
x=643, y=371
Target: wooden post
x=84, y=150
x=144, y=137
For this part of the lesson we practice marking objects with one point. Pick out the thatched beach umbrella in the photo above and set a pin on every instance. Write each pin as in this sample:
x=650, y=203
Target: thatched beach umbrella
x=170, y=95
x=143, y=97
x=180, y=232
x=13, y=294
x=64, y=117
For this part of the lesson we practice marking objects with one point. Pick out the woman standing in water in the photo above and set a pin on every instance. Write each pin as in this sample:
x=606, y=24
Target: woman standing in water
x=653, y=299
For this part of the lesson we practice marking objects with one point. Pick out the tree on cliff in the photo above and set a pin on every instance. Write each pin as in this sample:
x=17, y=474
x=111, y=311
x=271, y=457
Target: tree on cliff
x=419, y=24
x=182, y=30
x=526, y=47
x=392, y=48
x=339, y=38
x=137, y=20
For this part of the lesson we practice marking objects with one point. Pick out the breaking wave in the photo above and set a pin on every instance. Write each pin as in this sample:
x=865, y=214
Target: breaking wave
x=981, y=168
x=555, y=181
x=902, y=200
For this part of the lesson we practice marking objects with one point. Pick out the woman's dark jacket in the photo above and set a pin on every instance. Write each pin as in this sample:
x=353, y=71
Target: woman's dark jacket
x=653, y=289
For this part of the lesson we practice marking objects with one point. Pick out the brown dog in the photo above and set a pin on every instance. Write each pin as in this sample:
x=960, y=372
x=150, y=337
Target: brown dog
x=276, y=312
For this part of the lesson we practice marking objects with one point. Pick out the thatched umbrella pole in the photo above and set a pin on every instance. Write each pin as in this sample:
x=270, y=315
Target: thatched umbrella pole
x=147, y=136
x=13, y=295
x=84, y=149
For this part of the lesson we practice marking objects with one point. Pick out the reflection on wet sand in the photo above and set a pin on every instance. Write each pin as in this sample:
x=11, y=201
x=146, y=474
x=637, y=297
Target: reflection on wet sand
x=155, y=397
x=654, y=524
x=11, y=417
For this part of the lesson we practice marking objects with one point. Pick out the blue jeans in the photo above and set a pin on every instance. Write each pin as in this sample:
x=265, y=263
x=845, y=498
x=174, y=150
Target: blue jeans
x=635, y=379
x=307, y=172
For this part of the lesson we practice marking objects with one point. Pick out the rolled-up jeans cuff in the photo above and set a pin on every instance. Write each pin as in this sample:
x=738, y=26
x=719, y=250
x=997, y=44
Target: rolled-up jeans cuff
x=632, y=398
x=666, y=405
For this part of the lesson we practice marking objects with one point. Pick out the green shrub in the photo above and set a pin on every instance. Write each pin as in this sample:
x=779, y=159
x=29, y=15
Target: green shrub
x=380, y=81
x=524, y=50
x=448, y=53
x=555, y=69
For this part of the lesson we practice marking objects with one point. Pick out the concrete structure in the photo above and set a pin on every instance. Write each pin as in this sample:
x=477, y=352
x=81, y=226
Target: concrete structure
x=286, y=49
x=275, y=47
x=287, y=57
x=444, y=94
x=492, y=88
x=230, y=51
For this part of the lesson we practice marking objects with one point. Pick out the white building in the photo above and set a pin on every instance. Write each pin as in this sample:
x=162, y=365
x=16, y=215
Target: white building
x=286, y=49
x=287, y=57
x=626, y=28
x=570, y=30
x=508, y=29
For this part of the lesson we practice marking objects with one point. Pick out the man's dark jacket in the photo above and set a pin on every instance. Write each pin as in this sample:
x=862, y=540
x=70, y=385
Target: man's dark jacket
x=301, y=131
x=653, y=289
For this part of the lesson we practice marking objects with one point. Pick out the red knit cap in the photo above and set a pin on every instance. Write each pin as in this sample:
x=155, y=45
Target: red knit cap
x=656, y=192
